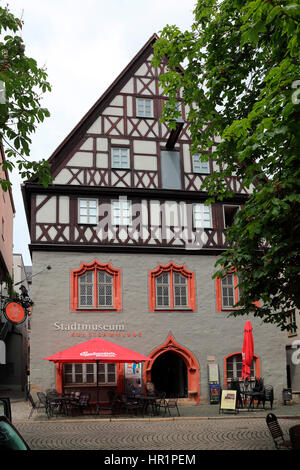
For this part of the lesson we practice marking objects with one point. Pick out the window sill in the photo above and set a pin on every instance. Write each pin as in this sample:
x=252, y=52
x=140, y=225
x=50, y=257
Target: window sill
x=174, y=309
x=98, y=309
x=88, y=223
x=145, y=117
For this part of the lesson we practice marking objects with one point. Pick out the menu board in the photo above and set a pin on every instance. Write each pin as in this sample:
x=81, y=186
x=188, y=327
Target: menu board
x=228, y=400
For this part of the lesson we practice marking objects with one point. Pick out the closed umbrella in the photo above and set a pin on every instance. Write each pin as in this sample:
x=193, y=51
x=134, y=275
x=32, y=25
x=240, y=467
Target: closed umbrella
x=248, y=351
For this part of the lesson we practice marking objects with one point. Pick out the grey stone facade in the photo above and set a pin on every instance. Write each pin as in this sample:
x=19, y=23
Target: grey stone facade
x=205, y=332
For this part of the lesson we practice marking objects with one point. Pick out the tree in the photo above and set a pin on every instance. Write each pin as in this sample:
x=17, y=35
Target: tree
x=238, y=69
x=22, y=84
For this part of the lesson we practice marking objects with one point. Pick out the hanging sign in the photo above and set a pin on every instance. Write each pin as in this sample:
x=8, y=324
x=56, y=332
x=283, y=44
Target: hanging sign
x=14, y=313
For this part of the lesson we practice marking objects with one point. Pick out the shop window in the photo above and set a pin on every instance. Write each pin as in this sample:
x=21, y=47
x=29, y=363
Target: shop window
x=87, y=373
x=172, y=287
x=95, y=286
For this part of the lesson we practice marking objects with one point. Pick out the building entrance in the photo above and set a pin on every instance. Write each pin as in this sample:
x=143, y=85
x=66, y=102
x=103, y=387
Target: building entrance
x=169, y=374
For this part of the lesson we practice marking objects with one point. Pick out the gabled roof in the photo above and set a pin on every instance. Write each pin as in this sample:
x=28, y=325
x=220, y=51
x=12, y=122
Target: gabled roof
x=79, y=130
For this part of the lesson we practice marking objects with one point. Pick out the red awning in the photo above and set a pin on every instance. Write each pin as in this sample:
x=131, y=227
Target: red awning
x=97, y=350
x=248, y=351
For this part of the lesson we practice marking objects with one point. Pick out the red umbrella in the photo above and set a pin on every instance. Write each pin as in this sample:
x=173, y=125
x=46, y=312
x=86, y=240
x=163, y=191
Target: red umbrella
x=97, y=350
x=248, y=351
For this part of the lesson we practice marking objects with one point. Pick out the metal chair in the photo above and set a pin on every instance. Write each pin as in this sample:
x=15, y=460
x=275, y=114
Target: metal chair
x=268, y=395
x=83, y=403
x=44, y=403
x=235, y=385
x=257, y=393
x=294, y=432
x=276, y=432
x=33, y=404
x=168, y=404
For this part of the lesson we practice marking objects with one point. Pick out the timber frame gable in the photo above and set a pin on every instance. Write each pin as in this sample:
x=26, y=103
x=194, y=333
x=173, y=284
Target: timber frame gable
x=116, y=151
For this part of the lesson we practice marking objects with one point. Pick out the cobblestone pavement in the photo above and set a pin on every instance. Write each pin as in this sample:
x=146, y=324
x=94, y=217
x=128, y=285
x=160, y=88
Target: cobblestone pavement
x=185, y=434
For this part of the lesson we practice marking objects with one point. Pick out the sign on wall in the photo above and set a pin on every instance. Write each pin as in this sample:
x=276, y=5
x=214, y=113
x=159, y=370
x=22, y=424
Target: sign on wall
x=133, y=378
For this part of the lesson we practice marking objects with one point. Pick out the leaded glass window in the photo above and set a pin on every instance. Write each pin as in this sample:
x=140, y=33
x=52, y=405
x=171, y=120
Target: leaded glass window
x=163, y=290
x=180, y=290
x=105, y=289
x=86, y=289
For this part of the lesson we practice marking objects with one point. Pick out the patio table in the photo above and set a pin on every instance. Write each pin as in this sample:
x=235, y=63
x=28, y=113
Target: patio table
x=149, y=400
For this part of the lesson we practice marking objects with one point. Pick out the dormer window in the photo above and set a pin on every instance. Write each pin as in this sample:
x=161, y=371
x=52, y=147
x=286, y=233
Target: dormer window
x=144, y=107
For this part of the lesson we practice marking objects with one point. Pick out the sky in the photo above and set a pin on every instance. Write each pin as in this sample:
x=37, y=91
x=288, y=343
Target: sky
x=84, y=46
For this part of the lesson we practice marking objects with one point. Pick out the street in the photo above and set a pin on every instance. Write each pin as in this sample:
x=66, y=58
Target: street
x=186, y=434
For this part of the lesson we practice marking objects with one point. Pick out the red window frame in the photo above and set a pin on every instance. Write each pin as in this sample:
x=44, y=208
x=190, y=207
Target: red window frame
x=171, y=268
x=220, y=307
x=96, y=266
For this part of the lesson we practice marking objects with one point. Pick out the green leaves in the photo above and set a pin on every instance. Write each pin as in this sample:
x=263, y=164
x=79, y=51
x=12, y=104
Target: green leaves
x=25, y=83
x=241, y=70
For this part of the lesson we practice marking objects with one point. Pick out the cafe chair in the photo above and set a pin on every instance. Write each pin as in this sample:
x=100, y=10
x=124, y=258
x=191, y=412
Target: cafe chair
x=111, y=405
x=235, y=385
x=276, y=432
x=268, y=395
x=130, y=405
x=33, y=405
x=44, y=403
x=257, y=393
x=294, y=432
x=83, y=403
x=168, y=404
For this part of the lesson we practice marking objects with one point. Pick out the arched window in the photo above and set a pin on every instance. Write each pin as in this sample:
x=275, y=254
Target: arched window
x=233, y=367
x=95, y=286
x=172, y=287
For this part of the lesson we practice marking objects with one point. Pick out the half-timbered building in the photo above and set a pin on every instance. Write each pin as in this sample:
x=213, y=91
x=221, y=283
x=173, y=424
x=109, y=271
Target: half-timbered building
x=132, y=248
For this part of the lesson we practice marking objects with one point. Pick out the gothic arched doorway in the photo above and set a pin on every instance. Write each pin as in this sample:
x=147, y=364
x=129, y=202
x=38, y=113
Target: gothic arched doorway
x=171, y=363
x=169, y=374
